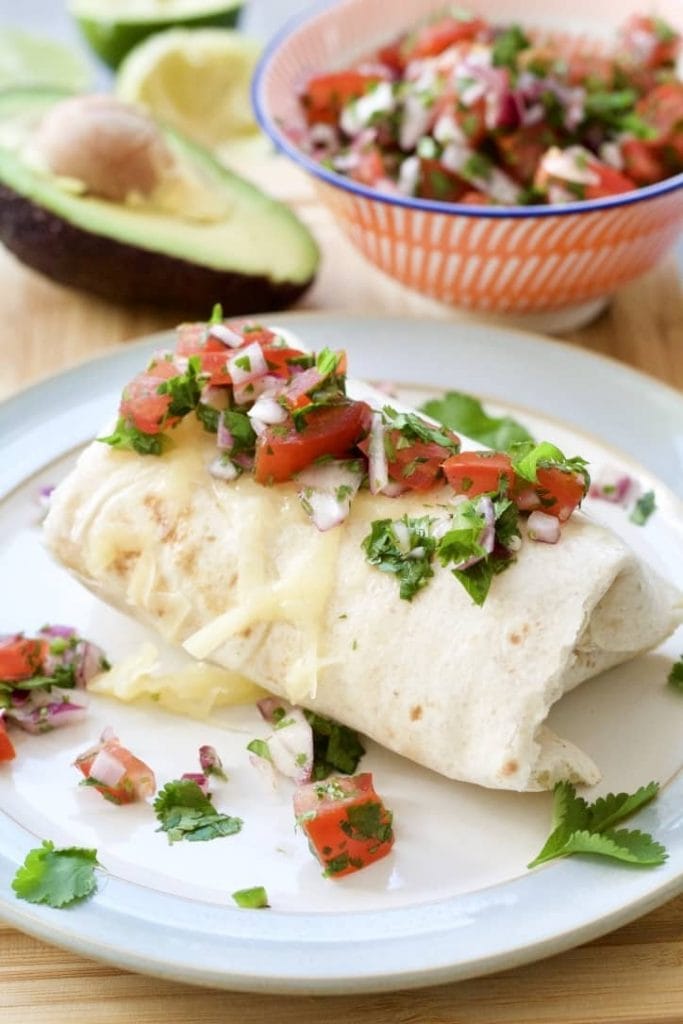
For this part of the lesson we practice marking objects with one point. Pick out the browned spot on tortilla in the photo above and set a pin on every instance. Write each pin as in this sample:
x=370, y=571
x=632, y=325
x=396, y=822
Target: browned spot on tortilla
x=510, y=767
x=416, y=713
x=187, y=562
x=123, y=562
x=518, y=637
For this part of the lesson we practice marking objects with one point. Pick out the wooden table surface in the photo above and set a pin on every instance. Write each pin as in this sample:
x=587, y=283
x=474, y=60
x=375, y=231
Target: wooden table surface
x=633, y=976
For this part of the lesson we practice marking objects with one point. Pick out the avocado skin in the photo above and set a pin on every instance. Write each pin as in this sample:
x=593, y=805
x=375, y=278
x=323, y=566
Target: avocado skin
x=126, y=273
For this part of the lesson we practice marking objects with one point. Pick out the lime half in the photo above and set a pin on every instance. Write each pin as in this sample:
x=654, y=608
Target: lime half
x=194, y=80
x=113, y=28
x=28, y=60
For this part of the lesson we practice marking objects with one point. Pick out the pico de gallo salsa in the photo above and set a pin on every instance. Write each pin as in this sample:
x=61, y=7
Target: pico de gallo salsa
x=460, y=110
x=281, y=414
x=37, y=677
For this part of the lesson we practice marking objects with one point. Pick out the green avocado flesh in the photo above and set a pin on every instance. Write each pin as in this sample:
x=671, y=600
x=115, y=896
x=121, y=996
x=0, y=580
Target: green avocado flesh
x=252, y=254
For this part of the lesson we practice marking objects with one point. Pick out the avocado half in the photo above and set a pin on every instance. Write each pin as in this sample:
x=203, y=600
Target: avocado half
x=256, y=257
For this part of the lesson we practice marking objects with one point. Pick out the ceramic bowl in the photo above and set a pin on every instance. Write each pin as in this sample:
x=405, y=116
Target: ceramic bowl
x=552, y=266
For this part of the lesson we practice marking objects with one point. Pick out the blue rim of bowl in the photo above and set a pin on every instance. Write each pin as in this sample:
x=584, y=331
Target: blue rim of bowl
x=277, y=137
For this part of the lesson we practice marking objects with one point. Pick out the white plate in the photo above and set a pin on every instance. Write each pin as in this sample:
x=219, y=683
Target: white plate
x=454, y=898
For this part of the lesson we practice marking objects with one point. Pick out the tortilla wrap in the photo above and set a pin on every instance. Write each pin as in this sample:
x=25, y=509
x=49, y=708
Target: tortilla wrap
x=238, y=574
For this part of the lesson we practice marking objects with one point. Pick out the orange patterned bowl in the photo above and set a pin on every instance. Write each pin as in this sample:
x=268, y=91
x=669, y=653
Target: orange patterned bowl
x=560, y=263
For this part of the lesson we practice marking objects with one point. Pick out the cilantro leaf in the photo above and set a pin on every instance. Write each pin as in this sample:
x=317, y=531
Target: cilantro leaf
x=184, y=812
x=408, y=558
x=336, y=748
x=184, y=389
x=216, y=314
x=252, y=899
x=128, y=437
x=643, y=508
x=675, y=677
x=413, y=428
x=606, y=811
x=527, y=459
x=208, y=416
x=478, y=578
x=633, y=847
x=579, y=827
x=243, y=434
x=507, y=46
x=369, y=820
x=465, y=413
x=56, y=877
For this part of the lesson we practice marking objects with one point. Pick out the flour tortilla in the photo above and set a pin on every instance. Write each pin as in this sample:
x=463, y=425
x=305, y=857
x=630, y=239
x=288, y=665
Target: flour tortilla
x=238, y=574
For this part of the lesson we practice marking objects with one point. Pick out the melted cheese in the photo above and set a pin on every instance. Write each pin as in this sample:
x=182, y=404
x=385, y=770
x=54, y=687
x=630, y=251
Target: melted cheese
x=195, y=690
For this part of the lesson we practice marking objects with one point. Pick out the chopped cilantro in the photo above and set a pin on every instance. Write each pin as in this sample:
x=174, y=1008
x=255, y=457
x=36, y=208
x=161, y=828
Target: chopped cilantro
x=185, y=813
x=239, y=426
x=643, y=508
x=675, y=677
x=260, y=748
x=327, y=361
x=208, y=416
x=336, y=748
x=410, y=563
x=477, y=166
x=56, y=877
x=244, y=363
x=664, y=32
x=507, y=46
x=252, y=899
x=464, y=412
x=340, y=863
x=216, y=314
x=184, y=389
x=528, y=458
x=128, y=437
x=368, y=821
x=579, y=827
x=414, y=428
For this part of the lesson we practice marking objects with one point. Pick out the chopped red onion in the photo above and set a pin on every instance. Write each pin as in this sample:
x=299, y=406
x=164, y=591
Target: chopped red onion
x=267, y=410
x=487, y=538
x=89, y=660
x=612, y=484
x=415, y=120
x=326, y=491
x=215, y=397
x=224, y=439
x=48, y=716
x=248, y=364
x=198, y=777
x=247, y=393
x=210, y=762
x=65, y=632
x=107, y=768
x=221, y=468
x=225, y=334
x=268, y=706
x=572, y=164
x=45, y=495
x=378, y=468
x=393, y=489
x=527, y=500
x=291, y=746
x=544, y=528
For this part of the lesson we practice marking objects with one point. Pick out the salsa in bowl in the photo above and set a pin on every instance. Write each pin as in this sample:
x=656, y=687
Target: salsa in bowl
x=501, y=167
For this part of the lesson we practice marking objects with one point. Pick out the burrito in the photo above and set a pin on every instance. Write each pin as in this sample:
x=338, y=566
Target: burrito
x=280, y=580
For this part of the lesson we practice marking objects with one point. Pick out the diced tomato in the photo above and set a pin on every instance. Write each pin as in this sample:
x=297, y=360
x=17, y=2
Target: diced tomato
x=213, y=354
x=474, y=473
x=279, y=360
x=21, y=657
x=666, y=43
x=370, y=167
x=141, y=403
x=470, y=119
x=611, y=183
x=662, y=110
x=7, y=751
x=391, y=56
x=326, y=95
x=435, y=182
x=589, y=66
x=282, y=451
x=561, y=491
x=347, y=825
x=521, y=150
x=136, y=782
x=642, y=162
x=432, y=39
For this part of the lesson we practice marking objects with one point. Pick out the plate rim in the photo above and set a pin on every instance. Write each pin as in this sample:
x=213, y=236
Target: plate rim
x=106, y=906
